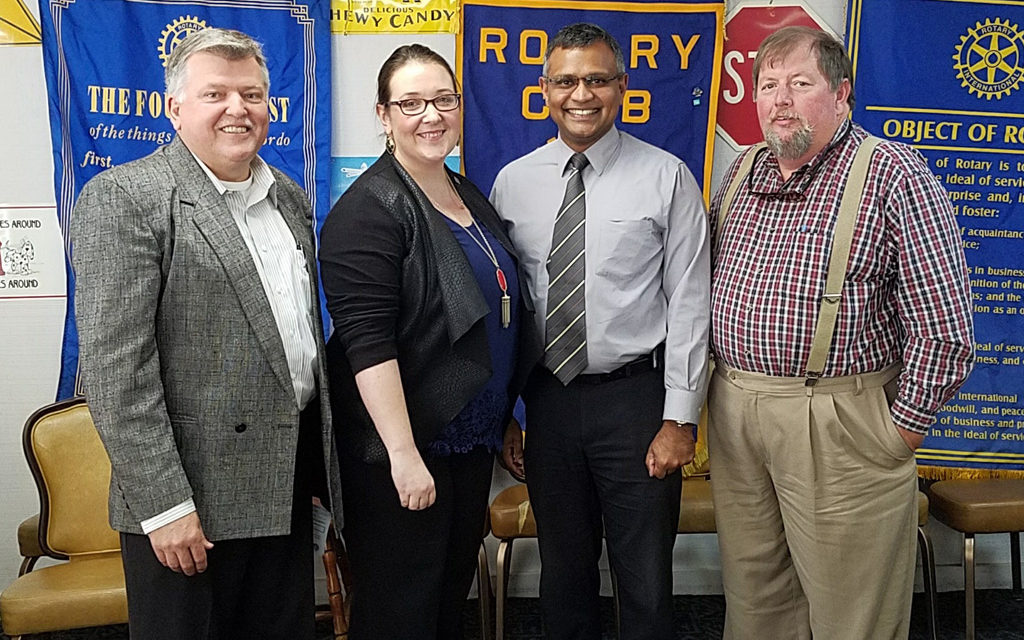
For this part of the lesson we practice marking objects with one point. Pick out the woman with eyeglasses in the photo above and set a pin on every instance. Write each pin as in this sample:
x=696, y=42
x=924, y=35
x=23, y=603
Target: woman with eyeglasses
x=422, y=286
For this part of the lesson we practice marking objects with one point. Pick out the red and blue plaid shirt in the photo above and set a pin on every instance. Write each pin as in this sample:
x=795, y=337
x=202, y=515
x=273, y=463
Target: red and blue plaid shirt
x=906, y=296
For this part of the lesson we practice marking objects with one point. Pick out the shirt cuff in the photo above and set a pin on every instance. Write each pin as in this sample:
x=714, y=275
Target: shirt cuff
x=910, y=418
x=682, y=405
x=149, y=525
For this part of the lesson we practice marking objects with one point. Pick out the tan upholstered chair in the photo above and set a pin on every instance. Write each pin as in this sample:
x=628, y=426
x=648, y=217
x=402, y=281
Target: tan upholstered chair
x=72, y=473
x=28, y=544
x=512, y=519
x=339, y=585
x=984, y=505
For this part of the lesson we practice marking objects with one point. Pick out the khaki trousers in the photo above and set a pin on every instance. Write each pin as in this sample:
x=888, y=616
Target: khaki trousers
x=816, y=506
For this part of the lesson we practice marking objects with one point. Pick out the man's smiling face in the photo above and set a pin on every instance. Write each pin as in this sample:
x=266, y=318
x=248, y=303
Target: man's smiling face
x=221, y=114
x=583, y=114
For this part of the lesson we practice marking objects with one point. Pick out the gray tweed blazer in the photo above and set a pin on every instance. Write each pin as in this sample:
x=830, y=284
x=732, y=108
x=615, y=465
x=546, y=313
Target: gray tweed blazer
x=180, y=355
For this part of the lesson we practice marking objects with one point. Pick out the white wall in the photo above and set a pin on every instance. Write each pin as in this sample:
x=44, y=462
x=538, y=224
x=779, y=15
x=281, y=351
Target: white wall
x=29, y=345
x=28, y=356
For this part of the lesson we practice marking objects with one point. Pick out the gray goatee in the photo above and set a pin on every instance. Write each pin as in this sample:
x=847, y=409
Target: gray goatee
x=797, y=144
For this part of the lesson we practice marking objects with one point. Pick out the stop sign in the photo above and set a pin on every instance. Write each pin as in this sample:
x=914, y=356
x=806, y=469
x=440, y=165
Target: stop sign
x=745, y=28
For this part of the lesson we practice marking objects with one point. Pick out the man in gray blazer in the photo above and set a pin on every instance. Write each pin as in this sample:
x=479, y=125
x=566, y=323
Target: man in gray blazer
x=202, y=357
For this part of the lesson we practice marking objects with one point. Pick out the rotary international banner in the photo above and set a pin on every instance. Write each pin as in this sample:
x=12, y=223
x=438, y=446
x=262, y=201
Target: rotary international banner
x=951, y=87
x=104, y=64
x=673, y=55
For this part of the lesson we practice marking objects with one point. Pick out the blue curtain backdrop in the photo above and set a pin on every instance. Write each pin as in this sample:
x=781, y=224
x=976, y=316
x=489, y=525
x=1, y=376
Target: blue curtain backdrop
x=951, y=87
x=672, y=52
x=104, y=65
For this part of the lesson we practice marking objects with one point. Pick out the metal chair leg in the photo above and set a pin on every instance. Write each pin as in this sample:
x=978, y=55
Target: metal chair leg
x=27, y=564
x=483, y=588
x=928, y=573
x=969, y=583
x=501, y=584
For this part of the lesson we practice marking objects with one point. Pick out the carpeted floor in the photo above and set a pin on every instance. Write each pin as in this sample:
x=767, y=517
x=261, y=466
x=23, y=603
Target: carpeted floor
x=1000, y=616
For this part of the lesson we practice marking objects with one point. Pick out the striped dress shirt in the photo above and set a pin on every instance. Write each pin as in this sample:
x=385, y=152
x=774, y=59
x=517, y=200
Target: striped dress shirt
x=647, y=255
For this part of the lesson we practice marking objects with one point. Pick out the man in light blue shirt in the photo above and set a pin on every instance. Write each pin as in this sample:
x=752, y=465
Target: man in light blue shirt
x=613, y=238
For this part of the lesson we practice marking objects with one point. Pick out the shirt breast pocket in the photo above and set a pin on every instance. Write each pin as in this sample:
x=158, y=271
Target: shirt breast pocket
x=627, y=249
x=802, y=270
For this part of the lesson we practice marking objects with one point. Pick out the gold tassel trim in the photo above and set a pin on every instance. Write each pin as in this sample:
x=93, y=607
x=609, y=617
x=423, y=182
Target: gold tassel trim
x=930, y=472
x=699, y=466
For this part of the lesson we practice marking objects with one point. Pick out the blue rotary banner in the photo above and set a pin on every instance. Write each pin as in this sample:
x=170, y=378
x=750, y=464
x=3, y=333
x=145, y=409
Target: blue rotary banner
x=104, y=64
x=951, y=87
x=673, y=54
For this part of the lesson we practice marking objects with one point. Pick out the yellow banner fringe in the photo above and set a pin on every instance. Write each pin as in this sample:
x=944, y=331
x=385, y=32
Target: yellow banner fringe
x=929, y=472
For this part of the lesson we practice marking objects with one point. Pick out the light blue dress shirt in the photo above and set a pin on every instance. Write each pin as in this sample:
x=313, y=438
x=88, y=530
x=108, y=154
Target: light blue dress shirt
x=647, y=255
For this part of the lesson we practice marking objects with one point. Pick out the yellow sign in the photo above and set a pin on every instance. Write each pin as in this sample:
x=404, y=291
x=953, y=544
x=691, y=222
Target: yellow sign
x=394, y=16
x=17, y=24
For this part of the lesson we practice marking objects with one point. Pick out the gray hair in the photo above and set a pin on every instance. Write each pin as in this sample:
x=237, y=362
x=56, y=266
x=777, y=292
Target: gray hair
x=580, y=35
x=225, y=43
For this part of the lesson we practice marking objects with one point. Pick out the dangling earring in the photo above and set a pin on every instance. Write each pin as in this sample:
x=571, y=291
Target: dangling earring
x=389, y=143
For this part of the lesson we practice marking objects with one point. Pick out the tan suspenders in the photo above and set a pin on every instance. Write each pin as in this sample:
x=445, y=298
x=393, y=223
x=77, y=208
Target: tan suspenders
x=828, y=310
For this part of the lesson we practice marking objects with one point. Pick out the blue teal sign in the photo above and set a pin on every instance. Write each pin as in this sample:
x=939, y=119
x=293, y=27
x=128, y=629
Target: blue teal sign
x=104, y=64
x=673, y=55
x=951, y=86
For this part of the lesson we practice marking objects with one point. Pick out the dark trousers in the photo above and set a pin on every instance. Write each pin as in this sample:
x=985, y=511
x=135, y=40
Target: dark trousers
x=252, y=588
x=585, y=464
x=412, y=570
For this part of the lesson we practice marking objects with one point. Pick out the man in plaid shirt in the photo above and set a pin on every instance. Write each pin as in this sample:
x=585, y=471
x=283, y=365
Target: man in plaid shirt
x=814, y=474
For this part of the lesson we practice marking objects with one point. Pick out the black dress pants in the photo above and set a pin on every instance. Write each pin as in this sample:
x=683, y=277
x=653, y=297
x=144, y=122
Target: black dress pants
x=585, y=453
x=412, y=570
x=252, y=588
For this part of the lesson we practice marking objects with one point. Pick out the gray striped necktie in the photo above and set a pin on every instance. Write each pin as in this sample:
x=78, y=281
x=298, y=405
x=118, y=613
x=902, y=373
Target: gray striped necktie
x=565, y=334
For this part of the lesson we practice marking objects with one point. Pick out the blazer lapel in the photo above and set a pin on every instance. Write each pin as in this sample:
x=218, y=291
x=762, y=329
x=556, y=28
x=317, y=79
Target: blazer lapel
x=212, y=217
x=464, y=305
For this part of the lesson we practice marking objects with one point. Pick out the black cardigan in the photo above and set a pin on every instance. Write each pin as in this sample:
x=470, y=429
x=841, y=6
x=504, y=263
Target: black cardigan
x=431, y=317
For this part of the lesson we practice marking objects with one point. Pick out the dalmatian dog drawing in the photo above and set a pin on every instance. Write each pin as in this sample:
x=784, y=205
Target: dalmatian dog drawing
x=16, y=257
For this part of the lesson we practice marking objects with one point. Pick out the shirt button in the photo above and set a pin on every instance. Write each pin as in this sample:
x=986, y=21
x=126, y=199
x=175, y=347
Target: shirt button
x=240, y=428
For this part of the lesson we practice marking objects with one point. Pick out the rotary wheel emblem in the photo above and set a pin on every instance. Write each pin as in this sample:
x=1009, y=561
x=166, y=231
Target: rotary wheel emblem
x=989, y=59
x=175, y=33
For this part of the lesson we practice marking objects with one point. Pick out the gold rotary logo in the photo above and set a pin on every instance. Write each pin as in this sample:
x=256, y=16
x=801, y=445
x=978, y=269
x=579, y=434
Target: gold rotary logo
x=175, y=32
x=990, y=59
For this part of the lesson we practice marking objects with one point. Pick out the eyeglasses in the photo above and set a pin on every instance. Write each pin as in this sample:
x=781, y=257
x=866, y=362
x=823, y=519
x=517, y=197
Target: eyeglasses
x=569, y=83
x=416, y=106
